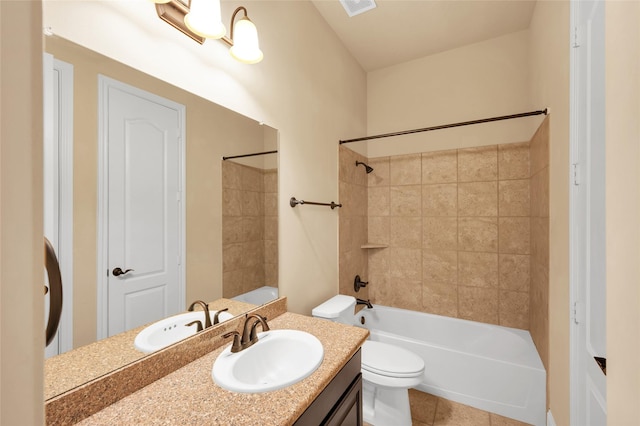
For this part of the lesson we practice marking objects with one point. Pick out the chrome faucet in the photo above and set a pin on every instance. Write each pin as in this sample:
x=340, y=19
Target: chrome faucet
x=205, y=308
x=249, y=334
x=364, y=302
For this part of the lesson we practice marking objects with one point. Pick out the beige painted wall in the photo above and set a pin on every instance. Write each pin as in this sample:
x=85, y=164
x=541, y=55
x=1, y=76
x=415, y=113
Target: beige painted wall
x=549, y=50
x=212, y=131
x=623, y=211
x=21, y=243
x=478, y=81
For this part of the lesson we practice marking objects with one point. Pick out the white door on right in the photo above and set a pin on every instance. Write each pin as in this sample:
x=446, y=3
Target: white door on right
x=589, y=384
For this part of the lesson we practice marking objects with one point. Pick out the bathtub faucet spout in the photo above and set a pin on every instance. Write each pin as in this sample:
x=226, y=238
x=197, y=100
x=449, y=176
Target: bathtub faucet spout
x=364, y=302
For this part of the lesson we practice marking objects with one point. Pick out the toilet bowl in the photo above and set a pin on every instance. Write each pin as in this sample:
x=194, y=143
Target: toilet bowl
x=387, y=371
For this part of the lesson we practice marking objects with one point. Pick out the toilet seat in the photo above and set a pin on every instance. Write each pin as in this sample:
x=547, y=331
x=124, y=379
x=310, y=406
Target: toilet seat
x=390, y=361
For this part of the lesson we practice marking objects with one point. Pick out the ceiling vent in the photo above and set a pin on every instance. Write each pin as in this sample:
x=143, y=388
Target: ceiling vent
x=356, y=7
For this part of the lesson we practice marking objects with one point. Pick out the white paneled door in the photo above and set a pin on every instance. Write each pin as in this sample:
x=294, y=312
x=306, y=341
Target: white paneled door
x=142, y=200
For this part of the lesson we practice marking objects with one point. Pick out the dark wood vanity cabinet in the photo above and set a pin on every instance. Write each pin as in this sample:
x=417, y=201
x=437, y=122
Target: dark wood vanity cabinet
x=340, y=403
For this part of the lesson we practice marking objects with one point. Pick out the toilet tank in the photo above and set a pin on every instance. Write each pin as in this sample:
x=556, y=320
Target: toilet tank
x=339, y=308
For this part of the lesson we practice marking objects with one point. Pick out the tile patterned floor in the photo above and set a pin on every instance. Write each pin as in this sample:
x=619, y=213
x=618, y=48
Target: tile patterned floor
x=429, y=410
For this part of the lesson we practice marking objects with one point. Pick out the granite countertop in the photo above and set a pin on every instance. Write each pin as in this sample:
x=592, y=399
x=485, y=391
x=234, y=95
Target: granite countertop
x=78, y=366
x=189, y=395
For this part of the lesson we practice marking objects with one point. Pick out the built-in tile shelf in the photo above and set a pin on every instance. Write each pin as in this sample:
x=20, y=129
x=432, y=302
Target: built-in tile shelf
x=373, y=246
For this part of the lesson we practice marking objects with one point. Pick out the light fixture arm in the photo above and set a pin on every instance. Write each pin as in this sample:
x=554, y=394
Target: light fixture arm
x=229, y=40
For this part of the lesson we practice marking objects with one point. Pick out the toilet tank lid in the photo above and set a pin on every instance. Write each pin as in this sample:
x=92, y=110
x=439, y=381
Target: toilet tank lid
x=333, y=307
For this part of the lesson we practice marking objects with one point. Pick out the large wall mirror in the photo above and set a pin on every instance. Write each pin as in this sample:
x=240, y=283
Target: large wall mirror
x=231, y=247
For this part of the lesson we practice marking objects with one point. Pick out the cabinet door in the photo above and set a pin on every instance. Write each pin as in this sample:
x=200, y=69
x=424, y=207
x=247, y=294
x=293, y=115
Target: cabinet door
x=348, y=411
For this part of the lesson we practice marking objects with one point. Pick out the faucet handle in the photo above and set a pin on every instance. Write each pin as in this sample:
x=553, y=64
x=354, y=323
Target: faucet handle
x=216, y=320
x=236, y=346
x=199, y=325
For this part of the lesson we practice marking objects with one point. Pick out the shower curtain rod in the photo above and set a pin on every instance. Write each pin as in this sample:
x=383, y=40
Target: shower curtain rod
x=446, y=126
x=250, y=155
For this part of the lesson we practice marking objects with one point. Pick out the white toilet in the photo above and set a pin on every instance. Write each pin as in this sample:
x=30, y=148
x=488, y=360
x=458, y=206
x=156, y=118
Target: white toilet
x=387, y=371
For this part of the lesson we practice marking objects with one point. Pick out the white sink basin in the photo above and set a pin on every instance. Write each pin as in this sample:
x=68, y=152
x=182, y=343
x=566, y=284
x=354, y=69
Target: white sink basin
x=171, y=330
x=280, y=358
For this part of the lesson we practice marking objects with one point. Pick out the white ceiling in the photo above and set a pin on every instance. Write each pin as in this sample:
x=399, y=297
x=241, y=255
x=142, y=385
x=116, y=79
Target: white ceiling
x=397, y=31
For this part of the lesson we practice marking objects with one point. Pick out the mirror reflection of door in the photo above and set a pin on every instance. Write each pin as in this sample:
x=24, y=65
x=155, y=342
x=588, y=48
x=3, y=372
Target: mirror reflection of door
x=58, y=187
x=142, y=240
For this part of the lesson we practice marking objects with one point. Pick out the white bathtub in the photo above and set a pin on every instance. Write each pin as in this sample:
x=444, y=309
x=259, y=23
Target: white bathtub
x=493, y=368
x=258, y=296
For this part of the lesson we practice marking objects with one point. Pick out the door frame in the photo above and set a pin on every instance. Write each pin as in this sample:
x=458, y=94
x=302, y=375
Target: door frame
x=61, y=161
x=104, y=84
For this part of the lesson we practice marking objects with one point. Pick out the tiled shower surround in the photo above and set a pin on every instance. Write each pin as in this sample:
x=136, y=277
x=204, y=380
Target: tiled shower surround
x=463, y=231
x=249, y=228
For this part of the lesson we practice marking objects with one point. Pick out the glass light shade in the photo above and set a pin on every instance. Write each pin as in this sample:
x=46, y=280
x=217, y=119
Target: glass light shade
x=160, y=1
x=204, y=19
x=245, y=42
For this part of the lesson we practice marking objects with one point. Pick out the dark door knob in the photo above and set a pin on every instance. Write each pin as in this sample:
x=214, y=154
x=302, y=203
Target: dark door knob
x=117, y=272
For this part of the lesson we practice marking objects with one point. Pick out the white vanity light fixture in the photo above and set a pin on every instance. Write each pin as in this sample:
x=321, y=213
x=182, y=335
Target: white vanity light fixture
x=201, y=19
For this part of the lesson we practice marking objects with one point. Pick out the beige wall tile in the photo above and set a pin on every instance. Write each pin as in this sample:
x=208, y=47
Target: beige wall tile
x=440, y=233
x=346, y=162
x=346, y=193
x=440, y=266
x=231, y=202
x=252, y=203
x=478, y=199
x=514, y=309
x=401, y=293
x=231, y=229
x=252, y=228
x=271, y=251
x=378, y=262
x=478, y=304
x=405, y=170
x=358, y=233
x=540, y=147
x=514, y=235
x=478, y=164
x=477, y=269
x=378, y=201
x=540, y=239
x=423, y=406
x=344, y=233
x=252, y=253
x=405, y=200
x=513, y=161
x=514, y=272
x=252, y=179
x=231, y=175
x=405, y=263
x=439, y=167
x=405, y=232
x=378, y=229
x=440, y=299
x=478, y=234
x=540, y=193
x=233, y=283
x=271, y=228
x=271, y=181
x=513, y=197
x=449, y=413
x=270, y=204
x=439, y=200
x=380, y=174
x=231, y=257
